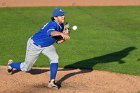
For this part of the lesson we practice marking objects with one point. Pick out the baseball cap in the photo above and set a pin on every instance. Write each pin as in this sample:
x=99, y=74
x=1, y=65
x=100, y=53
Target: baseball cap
x=58, y=12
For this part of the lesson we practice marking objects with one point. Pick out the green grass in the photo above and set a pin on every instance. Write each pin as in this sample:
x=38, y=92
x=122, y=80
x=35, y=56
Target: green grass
x=107, y=37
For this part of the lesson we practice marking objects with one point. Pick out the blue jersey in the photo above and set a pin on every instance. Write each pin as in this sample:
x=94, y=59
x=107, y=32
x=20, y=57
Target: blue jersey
x=43, y=36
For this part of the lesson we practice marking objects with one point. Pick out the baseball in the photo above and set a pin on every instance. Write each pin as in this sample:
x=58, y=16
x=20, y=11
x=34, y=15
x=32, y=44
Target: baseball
x=74, y=27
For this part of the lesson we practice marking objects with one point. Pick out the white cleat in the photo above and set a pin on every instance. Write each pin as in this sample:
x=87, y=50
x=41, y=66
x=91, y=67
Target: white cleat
x=52, y=84
x=10, y=69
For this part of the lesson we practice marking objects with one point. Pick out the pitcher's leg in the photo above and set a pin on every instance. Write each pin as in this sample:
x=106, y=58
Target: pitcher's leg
x=32, y=53
x=51, y=53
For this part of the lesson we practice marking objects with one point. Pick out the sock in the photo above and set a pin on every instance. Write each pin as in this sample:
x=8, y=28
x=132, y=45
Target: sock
x=16, y=65
x=53, y=70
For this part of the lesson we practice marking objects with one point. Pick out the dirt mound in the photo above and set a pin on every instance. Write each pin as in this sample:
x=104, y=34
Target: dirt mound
x=19, y=3
x=71, y=81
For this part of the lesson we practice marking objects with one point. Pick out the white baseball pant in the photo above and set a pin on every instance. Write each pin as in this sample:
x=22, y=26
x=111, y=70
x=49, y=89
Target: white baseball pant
x=32, y=53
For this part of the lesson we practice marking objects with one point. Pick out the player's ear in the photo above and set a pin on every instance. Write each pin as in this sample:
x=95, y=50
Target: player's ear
x=55, y=18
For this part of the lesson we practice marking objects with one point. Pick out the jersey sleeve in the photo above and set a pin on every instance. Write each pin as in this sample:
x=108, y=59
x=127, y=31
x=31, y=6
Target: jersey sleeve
x=50, y=29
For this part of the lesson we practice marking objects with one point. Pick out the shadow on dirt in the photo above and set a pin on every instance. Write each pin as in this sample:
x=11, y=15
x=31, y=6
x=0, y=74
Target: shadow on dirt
x=87, y=65
x=33, y=71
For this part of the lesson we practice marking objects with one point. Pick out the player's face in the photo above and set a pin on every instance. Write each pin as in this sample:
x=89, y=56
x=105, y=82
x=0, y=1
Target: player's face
x=61, y=19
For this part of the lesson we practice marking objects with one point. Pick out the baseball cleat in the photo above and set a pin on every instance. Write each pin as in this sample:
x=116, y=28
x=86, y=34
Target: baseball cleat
x=10, y=69
x=52, y=84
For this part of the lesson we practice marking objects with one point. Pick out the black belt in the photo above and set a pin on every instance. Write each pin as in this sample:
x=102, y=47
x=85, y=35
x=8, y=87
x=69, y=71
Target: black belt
x=37, y=44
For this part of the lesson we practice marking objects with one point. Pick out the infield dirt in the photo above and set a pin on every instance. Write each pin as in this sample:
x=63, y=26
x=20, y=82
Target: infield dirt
x=30, y=3
x=71, y=81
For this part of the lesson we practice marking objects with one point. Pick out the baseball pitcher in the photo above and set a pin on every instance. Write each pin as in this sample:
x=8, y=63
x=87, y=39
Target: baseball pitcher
x=52, y=32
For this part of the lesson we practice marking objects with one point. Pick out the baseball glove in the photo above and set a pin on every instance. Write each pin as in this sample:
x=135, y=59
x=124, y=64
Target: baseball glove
x=66, y=28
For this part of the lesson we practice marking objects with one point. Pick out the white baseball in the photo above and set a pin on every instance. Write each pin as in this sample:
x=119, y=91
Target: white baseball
x=74, y=27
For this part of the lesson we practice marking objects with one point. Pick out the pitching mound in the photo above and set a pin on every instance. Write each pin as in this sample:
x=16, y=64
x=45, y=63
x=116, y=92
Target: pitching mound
x=70, y=81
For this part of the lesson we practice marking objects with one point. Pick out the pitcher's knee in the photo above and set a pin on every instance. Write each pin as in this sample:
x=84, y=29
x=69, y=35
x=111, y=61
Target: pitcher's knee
x=54, y=58
x=24, y=69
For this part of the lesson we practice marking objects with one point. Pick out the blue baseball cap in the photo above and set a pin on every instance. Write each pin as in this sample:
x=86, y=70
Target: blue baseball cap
x=58, y=12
